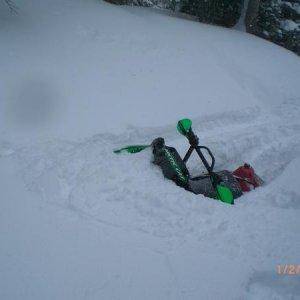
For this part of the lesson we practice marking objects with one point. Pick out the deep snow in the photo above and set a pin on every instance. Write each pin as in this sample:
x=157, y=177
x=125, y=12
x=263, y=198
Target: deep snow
x=81, y=78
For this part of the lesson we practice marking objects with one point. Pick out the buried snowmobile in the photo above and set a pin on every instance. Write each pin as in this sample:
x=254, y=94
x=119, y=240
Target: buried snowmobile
x=223, y=185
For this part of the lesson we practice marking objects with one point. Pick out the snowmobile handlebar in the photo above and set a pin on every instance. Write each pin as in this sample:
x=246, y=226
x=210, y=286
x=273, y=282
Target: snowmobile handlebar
x=194, y=145
x=210, y=154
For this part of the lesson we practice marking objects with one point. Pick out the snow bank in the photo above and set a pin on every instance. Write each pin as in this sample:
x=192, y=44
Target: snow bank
x=73, y=69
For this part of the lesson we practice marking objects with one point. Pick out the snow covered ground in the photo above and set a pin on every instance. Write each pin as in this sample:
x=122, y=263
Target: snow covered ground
x=81, y=78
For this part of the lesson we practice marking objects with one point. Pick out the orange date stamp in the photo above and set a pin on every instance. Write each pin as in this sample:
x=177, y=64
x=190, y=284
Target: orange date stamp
x=288, y=269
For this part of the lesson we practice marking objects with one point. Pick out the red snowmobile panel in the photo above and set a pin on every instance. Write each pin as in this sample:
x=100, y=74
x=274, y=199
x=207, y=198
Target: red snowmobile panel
x=246, y=177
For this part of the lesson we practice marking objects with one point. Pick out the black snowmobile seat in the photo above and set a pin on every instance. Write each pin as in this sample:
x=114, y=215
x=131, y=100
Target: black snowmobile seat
x=175, y=169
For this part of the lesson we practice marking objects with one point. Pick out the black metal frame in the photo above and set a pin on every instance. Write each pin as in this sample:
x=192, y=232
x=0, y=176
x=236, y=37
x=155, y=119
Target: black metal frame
x=194, y=145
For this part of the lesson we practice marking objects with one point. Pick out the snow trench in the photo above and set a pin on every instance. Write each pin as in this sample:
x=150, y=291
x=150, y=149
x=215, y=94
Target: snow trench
x=128, y=193
x=88, y=178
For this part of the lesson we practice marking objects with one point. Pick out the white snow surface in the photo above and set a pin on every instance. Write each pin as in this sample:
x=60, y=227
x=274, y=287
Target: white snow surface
x=81, y=78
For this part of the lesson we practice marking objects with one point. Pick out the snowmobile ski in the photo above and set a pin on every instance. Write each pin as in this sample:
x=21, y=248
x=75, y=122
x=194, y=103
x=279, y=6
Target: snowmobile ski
x=131, y=149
